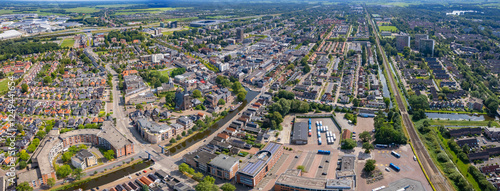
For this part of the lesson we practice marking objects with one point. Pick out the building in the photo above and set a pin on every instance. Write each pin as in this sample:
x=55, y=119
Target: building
x=472, y=142
x=402, y=41
x=152, y=131
x=199, y=159
x=464, y=131
x=83, y=159
x=257, y=167
x=490, y=168
x=292, y=179
x=107, y=137
x=427, y=47
x=182, y=100
x=492, y=132
x=419, y=37
x=156, y=58
x=240, y=36
x=10, y=34
x=223, y=166
x=300, y=133
x=173, y=24
x=204, y=23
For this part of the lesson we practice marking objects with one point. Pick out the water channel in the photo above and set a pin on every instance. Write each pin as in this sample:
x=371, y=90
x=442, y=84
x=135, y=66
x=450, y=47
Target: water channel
x=105, y=179
x=200, y=136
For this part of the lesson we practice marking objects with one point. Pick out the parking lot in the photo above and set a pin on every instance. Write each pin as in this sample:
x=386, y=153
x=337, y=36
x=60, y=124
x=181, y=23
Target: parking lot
x=409, y=167
x=313, y=139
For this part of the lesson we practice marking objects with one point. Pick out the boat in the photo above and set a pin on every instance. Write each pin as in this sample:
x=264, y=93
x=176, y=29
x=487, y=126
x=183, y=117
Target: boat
x=234, y=107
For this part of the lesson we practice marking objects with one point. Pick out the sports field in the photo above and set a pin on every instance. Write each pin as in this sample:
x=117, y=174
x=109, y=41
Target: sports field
x=388, y=28
x=67, y=42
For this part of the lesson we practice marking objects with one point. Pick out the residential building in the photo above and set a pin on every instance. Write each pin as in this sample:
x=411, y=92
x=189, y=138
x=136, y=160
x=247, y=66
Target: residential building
x=152, y=131
x=427, y=47
x=402, y=41
x=83, y=159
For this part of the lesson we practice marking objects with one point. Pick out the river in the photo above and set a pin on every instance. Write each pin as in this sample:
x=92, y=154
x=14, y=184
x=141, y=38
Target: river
x=200, y=136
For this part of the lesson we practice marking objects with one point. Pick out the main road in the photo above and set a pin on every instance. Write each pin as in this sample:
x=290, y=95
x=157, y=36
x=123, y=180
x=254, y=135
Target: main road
x=430, y=169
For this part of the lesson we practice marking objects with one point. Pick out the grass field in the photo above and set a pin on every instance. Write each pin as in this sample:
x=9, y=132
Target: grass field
x=4, y=88
x=150, y=10
x=183, y=19
x=68, y=42
x=388, y=28
x=115, y=5
x=82, y=10
x=457, y=123
x=166, y=72
x=4, y=11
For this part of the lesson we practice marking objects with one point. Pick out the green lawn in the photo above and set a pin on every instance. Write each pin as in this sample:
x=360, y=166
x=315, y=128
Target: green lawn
x=462, y=123
x=68, y=42
x=167, y=72
x=388, y=28
x=115, y=5
x=150, y=10
x=183, y=19
x=4, y=88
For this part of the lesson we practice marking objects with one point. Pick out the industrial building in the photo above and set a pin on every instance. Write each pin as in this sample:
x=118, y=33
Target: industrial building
x=300, y=133
x=203, y=23
x=292, y=179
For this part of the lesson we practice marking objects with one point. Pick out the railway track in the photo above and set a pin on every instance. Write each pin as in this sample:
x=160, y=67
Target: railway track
x=435, y=177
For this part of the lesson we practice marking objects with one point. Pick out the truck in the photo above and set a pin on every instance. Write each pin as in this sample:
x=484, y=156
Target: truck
x=396, y=168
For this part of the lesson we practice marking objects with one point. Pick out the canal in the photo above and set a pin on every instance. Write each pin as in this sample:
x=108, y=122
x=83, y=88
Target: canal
x=105, y=179
x=200, y=136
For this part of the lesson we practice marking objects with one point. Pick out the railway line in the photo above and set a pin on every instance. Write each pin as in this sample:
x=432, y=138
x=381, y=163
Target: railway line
x=430, y=169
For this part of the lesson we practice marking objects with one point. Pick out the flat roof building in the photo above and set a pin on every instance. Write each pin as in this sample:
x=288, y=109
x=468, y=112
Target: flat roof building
x=292, y=180
x=300, y=133
x=223, y=166
x=257, y=167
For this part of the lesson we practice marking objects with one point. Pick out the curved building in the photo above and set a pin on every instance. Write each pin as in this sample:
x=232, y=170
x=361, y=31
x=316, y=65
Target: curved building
x=108, y=137
x=203, y=23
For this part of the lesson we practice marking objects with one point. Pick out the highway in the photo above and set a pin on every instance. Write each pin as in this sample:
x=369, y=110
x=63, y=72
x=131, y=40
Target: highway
x=430, y=169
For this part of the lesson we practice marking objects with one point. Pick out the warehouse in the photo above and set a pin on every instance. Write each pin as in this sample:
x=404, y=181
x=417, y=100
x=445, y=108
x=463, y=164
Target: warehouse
x=10, y=34
x=300, y=133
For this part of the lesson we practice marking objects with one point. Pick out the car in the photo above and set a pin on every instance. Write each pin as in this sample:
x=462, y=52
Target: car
x=353, y=132
x=324, y=173
x=414, y=158
x=387, y=169
x=320, y=166
x=151, y=168
x=296, y=156
x=327, y=161
x=144, y=171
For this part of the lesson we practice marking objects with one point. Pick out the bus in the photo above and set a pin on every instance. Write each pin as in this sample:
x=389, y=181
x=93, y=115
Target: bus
x=319, y=141
x=323, y=152
x=381, y=146
x=396, y=154
x=396, y=168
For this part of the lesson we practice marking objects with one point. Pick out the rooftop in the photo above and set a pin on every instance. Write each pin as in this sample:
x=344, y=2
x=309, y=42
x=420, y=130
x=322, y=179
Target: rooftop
x=224, y=162
x=255, y=165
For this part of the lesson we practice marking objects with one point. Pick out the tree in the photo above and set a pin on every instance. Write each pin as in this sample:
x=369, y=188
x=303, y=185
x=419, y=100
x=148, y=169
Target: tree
x=221, y=102
x=183, y=133
x=78, y=173
x=183, y=167
x=241, y=96
x=209, y=179
x=206, y=186
x=355, y=102
x=348, y=144
x=63, y=171
x=66, y=157
x=365, y=136
x=47, y=80
x=109, y=154
x=24, y=88
x=25, y=186
x=306, y=69
x=367, y=146
x=301, y=168
x=178, y=137
x=172, y=140
x=23, y=155
x=198, y=176
x=492, y=105
x=369, y=165
x=145, y=188
x=139, y=106
x=22, y=165
x=228, y=187
x=51, y=182
x=196, y=93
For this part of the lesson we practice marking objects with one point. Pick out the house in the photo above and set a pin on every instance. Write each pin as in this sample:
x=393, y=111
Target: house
x=472, y=142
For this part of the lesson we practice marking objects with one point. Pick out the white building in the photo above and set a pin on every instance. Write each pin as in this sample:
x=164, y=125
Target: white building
x=10, y=34
x=156, y=58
